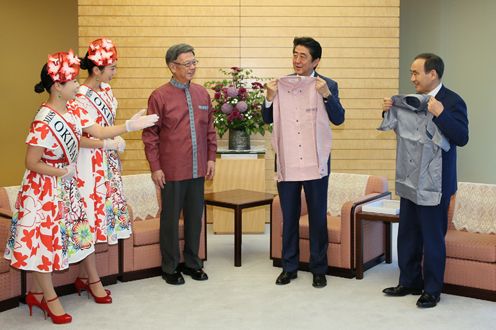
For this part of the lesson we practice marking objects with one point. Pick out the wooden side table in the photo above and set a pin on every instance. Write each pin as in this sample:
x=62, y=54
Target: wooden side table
x=238, y=199
x=242, y=173
x=361, y=216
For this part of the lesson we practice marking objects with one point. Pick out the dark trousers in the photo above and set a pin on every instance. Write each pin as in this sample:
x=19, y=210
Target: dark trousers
x=421, y=233
x=185, y=196
x=316, y=196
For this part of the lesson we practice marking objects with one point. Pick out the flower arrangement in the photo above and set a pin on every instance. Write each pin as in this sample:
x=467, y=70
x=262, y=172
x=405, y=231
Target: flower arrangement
x=237, y=102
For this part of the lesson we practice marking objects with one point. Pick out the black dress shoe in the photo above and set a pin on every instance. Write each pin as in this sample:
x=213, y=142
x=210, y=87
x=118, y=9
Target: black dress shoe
x=286, y=277
x=174, y=278
x=319, y=280
x=196, y=274
x=427, y=300
x=400, y=291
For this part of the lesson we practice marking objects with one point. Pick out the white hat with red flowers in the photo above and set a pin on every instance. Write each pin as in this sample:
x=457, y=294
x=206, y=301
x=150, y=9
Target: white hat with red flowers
x=63, y=66
x=102, y=52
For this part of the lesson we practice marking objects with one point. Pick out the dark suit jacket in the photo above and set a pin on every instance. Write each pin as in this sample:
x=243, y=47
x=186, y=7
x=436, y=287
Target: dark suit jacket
x=333, y=106
x=453, y=123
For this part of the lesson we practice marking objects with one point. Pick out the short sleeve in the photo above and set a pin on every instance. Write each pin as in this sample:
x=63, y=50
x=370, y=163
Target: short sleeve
x=433, y=132
x=390, y=120
x=40, y=135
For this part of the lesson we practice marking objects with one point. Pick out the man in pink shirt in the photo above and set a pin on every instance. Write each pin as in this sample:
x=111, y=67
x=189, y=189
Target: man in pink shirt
x=301, y=106
x=181, y=150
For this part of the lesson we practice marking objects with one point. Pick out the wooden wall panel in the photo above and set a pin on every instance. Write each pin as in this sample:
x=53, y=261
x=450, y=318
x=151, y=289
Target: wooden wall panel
x=360, y=40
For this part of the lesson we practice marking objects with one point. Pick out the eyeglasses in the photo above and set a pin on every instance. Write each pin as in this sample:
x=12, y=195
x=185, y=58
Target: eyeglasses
x=188, y=64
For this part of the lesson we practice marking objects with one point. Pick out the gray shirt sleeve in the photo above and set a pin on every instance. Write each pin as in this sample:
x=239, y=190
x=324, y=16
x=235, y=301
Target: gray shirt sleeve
x=436, y=136
x=390, y=120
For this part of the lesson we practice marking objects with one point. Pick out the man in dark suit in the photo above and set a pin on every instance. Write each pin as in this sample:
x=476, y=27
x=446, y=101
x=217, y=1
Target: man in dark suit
x=306, y=57
x=422, y=228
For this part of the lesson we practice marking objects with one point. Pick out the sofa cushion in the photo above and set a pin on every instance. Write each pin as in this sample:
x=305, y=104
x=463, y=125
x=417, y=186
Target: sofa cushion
x=8, y=196
x=4, y=264
x=471, y=246
x=333, y=228
x=146, y=232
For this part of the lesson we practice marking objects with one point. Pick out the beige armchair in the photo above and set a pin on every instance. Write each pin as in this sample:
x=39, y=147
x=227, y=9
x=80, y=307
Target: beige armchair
x=347, y=192
x=140, y=255
x=471, y=249
x=10, y=278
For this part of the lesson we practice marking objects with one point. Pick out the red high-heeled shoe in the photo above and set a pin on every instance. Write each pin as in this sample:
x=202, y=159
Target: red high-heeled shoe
x=107, y=299
x=56, y=319
x=32, y=301
x=83, y=286
x=80, y=285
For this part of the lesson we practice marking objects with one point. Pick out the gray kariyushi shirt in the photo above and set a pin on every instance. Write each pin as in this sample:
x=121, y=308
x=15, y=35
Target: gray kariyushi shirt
x=419, y=149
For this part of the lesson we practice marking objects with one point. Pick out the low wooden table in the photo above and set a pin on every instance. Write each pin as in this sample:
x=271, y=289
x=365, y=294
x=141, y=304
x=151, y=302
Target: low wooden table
x=361, y=216
x=238, y=199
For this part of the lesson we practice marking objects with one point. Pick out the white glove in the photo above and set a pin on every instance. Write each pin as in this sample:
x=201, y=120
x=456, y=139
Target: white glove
x=116, y=143
x=122, y=144
x=71, y=171
x=139, y=121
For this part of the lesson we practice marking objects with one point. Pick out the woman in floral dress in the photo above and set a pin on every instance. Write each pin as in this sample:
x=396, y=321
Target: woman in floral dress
x=98, y=165
x=50, y=226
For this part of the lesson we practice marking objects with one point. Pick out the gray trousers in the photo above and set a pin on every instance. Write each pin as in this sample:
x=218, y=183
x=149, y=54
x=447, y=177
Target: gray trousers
x=177, y=196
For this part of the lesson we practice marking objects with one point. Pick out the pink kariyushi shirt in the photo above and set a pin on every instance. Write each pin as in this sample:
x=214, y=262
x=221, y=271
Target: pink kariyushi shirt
x=301, y=134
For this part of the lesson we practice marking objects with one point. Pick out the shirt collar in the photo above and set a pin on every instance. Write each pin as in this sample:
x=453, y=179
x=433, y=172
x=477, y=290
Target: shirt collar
x=178, y=84
x=435, y=90
x=313, y=74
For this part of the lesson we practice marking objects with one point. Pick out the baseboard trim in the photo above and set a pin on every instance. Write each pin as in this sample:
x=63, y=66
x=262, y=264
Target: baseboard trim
x=466, y=291
x=9, y=304
x=140, y=274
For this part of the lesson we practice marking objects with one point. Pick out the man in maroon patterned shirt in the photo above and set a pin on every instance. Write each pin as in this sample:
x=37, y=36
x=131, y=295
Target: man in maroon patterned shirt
x=181, y=150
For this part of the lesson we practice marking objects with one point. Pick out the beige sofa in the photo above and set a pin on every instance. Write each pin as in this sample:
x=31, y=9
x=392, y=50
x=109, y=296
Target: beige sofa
x=140, y=255
x=347, y=192
x=471, y=256
x=107, y=257
x=10, y=278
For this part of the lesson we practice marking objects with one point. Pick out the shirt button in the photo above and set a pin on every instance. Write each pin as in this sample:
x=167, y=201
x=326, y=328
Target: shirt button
x=298, y=133
x=301, y=158
x=299, y=145
x=296, y=120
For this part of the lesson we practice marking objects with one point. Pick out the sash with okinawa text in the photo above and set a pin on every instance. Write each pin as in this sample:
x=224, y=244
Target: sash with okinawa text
x=100, y=105
x=61, y=130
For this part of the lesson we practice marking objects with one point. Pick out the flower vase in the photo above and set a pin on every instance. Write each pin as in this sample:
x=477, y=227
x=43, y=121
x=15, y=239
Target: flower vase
x=239, y=140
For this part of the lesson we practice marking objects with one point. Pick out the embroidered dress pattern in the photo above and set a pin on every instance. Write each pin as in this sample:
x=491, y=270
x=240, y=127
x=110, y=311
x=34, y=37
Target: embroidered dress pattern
x=46, y=233
x=100, y=172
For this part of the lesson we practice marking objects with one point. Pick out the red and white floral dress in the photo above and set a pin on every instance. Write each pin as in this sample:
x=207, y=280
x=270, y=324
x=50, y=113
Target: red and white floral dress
x=50, y=228
x=99, y=171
